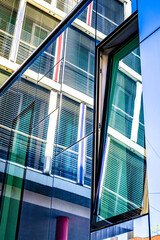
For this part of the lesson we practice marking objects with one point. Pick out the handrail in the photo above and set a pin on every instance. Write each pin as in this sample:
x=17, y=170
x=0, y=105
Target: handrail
x=6, y=33
x=109, y=20
x=73, y=65
x=32, y=46
x=45, y=43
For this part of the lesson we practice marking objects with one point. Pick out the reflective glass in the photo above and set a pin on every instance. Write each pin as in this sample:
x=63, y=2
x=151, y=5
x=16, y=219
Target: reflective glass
x=46, y=119
x=122, y=183
x=8, y=15
x=35, y=28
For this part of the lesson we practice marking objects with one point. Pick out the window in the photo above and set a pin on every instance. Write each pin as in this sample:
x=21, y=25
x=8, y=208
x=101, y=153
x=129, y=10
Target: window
x=65, y=163
x=38, y=34
x=8, y=14
x=36, y=26
x=121, y=165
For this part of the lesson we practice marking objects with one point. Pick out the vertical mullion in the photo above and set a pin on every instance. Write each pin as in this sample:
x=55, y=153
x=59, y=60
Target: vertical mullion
x=127, y=9
x=137, y=107
x=51, y=132
x=17, y=32
x=81, y=151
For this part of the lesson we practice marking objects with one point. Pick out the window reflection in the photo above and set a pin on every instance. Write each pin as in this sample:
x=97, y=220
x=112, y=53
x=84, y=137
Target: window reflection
x=122, y=185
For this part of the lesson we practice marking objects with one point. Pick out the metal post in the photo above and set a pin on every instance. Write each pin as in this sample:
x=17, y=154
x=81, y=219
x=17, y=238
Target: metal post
x=62, y=228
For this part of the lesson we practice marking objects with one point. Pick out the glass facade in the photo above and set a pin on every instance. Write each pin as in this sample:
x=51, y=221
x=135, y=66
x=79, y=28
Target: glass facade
x=8, y=14
x=46, y=123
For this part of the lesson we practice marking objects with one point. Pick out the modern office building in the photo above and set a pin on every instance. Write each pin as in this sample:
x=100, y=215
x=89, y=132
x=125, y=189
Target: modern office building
x=47, y=128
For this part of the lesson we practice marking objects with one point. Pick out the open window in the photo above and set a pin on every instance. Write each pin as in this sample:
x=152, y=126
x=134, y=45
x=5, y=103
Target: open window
x=119, y=188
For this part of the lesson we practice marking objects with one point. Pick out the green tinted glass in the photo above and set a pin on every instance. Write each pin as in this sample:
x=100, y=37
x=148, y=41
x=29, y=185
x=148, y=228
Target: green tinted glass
x=121, y=187
x=10, y=201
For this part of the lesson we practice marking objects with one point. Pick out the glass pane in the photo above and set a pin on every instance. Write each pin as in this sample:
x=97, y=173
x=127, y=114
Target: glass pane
x=36, y=26
x=57, y=149
x=8, y=15
x=123, y=170
x=14, y=176
x=4, y=75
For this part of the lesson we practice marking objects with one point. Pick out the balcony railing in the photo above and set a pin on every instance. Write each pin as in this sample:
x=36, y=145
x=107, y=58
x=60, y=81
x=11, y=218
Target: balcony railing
x=5, y=43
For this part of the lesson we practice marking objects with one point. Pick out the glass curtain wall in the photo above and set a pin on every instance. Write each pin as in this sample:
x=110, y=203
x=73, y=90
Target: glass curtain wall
x=46, y=126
